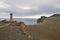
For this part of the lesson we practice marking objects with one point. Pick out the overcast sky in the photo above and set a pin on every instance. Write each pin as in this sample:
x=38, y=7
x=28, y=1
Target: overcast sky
x=29, y=8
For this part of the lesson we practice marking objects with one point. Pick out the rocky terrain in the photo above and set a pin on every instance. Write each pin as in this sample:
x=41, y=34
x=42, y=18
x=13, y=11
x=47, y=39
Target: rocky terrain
x=12, y=32
x=49, y=29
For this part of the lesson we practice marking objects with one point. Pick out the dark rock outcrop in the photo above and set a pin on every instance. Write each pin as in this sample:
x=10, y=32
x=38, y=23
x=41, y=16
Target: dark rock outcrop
x=40, y=20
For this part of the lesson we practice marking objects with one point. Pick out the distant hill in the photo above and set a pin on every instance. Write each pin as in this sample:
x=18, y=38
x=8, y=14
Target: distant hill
x=55, y=15
x=40, y=20
x=49, y=29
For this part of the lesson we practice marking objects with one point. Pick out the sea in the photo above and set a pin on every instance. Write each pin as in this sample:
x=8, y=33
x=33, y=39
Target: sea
x=27, y=21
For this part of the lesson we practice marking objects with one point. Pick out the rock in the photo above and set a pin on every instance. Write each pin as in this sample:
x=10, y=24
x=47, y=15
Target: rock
x=40, y=20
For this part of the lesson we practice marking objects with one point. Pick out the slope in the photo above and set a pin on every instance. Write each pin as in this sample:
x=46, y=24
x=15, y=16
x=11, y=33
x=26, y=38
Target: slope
x=12, y=32
x=48, y=30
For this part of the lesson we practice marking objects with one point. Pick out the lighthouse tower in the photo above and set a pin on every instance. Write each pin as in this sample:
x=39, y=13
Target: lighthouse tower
x=11, y=17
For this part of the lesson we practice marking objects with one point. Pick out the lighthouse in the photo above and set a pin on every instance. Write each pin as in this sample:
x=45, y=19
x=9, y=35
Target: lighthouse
x=11, y=17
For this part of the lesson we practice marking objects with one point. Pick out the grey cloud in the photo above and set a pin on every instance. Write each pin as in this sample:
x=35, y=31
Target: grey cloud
x=38, y=7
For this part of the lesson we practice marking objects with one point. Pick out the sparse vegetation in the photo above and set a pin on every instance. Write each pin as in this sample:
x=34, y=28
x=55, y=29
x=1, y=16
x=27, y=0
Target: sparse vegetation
x=49, y=29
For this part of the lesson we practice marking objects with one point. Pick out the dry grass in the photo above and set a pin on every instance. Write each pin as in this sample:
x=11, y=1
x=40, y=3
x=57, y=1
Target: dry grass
x=12, y=32
x=48, y=30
